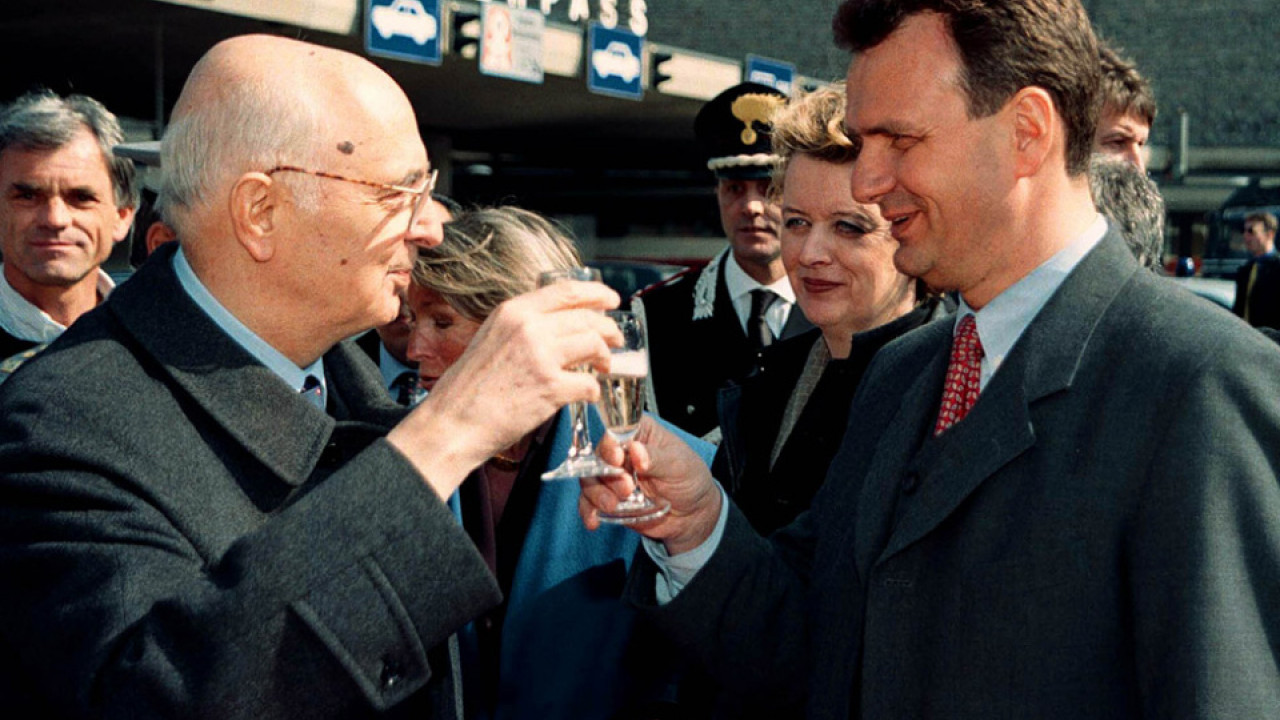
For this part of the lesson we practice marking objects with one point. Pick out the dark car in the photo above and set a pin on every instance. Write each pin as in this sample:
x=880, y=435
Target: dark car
x=628, y=276
x=1216, y=290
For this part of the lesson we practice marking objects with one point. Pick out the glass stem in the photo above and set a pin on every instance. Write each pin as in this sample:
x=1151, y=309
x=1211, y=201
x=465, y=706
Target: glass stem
x=581, y=446
x=637, y=498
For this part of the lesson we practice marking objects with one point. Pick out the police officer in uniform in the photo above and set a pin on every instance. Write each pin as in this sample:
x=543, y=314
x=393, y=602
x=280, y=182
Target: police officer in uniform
x=706, y=327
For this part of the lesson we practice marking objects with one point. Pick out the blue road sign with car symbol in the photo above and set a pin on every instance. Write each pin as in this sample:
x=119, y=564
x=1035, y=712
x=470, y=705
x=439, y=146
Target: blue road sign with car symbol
x=780, y=76
x=614, y=62
x=403, y=29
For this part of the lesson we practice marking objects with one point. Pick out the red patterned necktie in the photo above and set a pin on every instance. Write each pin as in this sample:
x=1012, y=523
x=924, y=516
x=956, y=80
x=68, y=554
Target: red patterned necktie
x=963, y=376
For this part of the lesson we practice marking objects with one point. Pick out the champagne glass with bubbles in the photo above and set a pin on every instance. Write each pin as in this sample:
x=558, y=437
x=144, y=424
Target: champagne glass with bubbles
x=582, y=460
x=621, y=404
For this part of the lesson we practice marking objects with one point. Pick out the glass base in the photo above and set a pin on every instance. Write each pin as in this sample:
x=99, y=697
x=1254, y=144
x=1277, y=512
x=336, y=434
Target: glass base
x=589, y=466
x=635, y=510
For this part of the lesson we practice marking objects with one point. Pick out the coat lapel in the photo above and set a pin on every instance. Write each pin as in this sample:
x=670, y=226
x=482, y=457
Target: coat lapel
x=724, y=321
x=949, y=468
x=1001, y=426
x=732, y=440
x=916, y=408
x=280, y=429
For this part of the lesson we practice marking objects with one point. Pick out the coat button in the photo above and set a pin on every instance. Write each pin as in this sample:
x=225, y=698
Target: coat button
x=392, y=673
x=331, y=456
x=910, y=482
x=689, y=409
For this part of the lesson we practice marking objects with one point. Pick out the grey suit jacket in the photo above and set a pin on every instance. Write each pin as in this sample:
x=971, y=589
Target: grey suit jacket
x=181, y=535
x=1099, y=538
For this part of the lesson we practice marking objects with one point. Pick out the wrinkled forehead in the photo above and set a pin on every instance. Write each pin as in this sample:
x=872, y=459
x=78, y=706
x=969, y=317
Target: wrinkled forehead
x=372, y=131
x=1113, y=118
x=79, y=160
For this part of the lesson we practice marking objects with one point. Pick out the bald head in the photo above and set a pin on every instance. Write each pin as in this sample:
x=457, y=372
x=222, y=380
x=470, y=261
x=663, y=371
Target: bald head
x=257, y=101
x=290, y=177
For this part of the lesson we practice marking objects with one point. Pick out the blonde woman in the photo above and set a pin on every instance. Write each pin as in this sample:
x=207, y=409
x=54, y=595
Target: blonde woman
x=561, y=645
x=783, y=425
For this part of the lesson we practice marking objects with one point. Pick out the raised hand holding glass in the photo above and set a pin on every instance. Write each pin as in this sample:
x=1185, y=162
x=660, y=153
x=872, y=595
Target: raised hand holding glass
x=582, y=460
x=621, y=404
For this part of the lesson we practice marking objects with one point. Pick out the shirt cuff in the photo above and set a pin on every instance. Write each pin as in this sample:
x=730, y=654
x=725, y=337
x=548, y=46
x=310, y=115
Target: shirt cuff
x=676, y=571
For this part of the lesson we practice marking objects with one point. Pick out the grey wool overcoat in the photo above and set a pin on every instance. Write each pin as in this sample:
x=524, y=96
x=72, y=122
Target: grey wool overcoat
x=183, y=536
x=1099, y=538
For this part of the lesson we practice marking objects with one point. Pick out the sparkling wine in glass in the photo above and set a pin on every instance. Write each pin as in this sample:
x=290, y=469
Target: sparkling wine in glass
x=582, y=460
x=621, y=404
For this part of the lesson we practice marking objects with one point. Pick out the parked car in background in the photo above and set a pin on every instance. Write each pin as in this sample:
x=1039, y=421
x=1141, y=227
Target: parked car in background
x=1225, y=250
x=626, y=277
x=1217, y=290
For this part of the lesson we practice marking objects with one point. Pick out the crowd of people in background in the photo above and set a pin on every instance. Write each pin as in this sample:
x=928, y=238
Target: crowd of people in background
x=937, y=438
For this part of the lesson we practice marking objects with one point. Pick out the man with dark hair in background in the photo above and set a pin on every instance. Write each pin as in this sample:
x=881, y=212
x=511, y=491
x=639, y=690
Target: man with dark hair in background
x=1258, y=279
x=66, y=202
x=388, y=344
x=1060, y=503
x=1128, y=108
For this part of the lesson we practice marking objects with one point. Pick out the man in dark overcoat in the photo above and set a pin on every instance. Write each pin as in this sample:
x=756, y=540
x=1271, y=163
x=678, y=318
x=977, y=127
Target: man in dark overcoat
x=1060, y=503
x=209, y=508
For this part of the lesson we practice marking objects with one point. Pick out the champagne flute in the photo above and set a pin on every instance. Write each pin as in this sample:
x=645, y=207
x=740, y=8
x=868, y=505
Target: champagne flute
x=621, y=404
x=582, y=460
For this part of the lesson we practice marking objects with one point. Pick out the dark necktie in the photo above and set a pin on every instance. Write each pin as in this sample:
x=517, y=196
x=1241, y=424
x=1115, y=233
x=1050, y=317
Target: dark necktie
x=1248, y=289
x=964, y=375
x=313, y=391
x=758, y=332
x=403, y=386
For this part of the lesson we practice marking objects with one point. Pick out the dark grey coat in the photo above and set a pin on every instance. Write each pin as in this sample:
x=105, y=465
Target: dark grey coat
x=182, y=536
x=1099, y=538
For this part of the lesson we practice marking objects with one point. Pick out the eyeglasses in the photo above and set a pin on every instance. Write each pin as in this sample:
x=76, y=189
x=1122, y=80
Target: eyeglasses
x=420, y=201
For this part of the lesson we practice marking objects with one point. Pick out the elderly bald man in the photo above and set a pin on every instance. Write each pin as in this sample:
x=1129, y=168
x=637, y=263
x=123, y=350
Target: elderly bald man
x=208, y=506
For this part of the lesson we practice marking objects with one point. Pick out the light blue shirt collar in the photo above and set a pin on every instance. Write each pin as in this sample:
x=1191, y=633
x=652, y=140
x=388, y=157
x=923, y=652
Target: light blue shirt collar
x=391, y=368
x=294, y=376
x=1002, y=321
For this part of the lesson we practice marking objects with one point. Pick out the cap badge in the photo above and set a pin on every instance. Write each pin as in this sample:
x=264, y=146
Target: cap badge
x=754, y=108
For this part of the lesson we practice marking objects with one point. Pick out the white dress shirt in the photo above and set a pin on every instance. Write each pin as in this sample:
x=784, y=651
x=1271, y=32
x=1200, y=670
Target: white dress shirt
x=25, y=321
x=739, y=286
